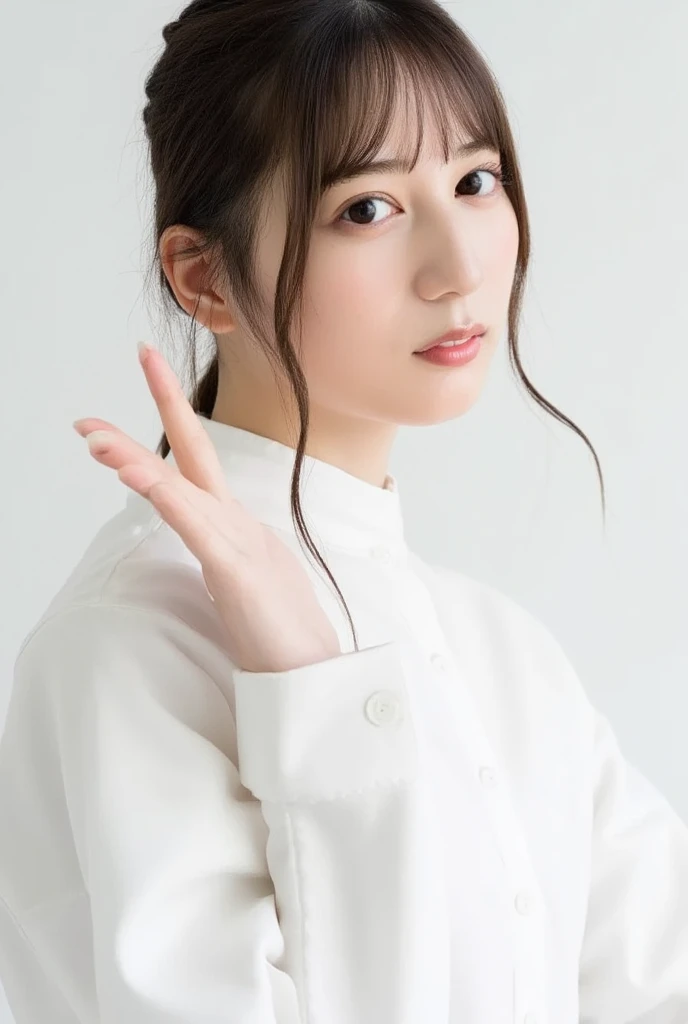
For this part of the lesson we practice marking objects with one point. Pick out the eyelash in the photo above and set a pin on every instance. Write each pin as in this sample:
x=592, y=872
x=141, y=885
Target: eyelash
x=495, y=170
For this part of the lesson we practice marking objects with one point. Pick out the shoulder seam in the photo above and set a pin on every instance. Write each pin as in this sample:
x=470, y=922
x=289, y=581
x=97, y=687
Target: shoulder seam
x=153, y=524
x=156, y=613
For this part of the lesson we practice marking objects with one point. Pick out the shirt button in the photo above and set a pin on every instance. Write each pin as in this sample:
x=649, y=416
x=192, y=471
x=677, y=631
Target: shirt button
x=523, y=903
x=439, y=663
x=381, y=554
x=488, y=777
x=383, y=708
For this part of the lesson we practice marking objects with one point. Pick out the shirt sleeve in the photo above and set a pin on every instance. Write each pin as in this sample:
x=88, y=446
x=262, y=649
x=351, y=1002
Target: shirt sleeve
x=172, y=843
x=634, y=962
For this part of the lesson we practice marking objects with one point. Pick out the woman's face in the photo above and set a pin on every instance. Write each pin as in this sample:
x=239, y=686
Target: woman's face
x=396, y=260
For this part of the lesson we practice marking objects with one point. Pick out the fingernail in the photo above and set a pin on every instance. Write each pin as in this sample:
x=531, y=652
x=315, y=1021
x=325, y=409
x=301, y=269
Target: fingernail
x=79, y=427
x=144, y=347
x=99, y=440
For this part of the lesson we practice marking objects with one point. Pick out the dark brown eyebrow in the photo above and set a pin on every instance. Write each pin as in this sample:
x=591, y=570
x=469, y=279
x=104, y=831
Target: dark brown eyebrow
x=397, y=166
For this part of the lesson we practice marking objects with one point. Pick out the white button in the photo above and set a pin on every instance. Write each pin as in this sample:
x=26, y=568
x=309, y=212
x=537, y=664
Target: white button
x=382, y=554
x=383, y=707
x=488, y=777
x=530, y=1018
x=137, y=530
x=439, y=663
x=523, y=903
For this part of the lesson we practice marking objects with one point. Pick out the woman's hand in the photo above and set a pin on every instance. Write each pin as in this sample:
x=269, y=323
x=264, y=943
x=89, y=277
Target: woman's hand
x=261, y=591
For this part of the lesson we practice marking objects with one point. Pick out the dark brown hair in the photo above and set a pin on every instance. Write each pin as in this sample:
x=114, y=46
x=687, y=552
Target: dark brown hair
x=246, y=89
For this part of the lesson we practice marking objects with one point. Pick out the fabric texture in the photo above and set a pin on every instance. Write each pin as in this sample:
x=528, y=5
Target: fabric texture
x=438, y=828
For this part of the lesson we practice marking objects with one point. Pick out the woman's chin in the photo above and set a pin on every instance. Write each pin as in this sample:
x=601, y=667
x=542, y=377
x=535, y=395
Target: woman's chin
x=444, y=394
x=441, y=410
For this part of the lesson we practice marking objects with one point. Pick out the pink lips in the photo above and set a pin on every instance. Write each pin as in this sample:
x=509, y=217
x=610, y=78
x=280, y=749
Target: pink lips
x=456, y=334
x=454, y=355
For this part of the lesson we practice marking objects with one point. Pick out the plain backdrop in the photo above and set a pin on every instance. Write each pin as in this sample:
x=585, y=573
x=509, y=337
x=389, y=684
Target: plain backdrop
x=598, y=96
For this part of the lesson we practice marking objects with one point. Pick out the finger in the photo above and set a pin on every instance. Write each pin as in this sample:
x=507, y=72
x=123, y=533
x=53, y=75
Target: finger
x=113, y=448
x=164, y=487
x=191, y=512
x=194, y=452
x=194, y=514
x=187, y=508
x=88, y=424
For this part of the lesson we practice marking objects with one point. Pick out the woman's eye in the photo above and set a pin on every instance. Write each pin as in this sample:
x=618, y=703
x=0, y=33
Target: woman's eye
x=363, y=210
x=493, y=172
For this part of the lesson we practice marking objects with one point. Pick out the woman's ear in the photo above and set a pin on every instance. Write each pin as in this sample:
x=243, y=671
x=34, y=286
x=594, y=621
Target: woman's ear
x=191, y=279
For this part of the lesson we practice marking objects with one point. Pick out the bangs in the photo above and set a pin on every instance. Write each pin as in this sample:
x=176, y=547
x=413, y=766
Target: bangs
x=376, y=75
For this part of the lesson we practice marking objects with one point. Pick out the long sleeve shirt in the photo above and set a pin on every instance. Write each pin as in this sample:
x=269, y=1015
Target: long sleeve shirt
x=438, y=828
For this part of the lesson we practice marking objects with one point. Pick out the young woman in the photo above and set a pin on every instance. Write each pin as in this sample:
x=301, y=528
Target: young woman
x=262, y=764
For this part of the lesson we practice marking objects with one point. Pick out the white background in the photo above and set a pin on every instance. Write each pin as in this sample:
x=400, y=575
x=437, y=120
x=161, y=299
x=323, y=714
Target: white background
x=598, y=95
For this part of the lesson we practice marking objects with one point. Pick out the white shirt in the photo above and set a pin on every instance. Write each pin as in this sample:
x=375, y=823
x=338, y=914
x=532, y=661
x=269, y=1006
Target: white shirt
x=437, y=829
